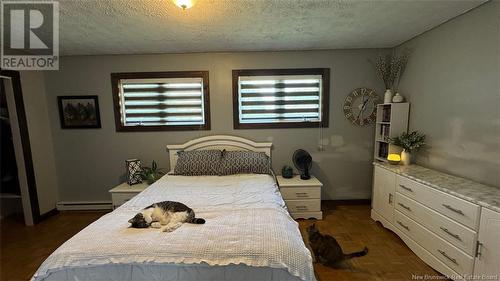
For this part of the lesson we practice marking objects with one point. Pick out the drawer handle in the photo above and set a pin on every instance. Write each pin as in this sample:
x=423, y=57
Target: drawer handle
x=404, y=226
x=406, y=188
x=479, y=247
x=456, y=236
x=453, y=209
x=404, y=206
x=390, y=198
x=301, y=207
x=301, y=194
x=448, y=257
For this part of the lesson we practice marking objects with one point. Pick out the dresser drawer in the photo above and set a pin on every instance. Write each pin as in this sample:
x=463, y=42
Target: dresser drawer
x=301, y=192
x=455, y=208
x=442, y=250
x=122, y=197
x=453, y=232
x=306, y=205
x=307, y=215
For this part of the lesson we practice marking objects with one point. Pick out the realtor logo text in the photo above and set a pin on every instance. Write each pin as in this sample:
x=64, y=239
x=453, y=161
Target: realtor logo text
x=30, y=35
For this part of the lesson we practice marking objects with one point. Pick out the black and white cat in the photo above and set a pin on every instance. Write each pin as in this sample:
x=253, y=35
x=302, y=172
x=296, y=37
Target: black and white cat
x=167, y=215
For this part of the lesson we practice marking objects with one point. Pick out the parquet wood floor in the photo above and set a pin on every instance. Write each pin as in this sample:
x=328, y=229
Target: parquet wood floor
x=388, y=259
x=23, y=249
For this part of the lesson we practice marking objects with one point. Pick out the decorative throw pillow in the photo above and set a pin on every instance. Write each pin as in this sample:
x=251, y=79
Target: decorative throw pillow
x=198, y=163
x=244, y=162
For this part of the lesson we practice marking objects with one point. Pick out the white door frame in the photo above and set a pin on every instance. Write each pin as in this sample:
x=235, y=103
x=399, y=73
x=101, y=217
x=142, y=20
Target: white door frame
x=28, y=210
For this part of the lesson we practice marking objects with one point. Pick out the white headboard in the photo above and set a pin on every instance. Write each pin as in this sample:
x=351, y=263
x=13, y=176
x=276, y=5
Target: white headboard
x=218, y=142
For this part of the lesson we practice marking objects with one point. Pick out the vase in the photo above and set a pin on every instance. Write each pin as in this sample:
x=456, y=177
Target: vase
x=397, y=98
x=388, y=96
x=405, y=158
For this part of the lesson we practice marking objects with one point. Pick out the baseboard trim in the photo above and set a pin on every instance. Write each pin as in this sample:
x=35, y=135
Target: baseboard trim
x=344, y=202
x=49, y=214
x=84, y=205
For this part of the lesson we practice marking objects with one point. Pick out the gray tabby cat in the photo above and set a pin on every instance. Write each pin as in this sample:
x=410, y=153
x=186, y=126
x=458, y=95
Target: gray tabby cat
x=327, y=250
x=167, y=215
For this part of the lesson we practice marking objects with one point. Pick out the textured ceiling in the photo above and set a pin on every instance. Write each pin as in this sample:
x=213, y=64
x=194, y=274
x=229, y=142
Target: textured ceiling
x=158, y=26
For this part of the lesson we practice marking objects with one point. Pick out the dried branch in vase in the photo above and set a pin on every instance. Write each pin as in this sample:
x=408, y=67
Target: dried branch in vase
x=390, y=68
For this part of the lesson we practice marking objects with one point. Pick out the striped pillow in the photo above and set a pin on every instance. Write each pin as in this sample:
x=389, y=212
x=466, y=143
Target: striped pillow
x=198, y=163
x=244, y=162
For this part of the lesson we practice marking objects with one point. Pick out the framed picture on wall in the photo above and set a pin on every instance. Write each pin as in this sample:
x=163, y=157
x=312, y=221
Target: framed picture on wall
x=79, y=112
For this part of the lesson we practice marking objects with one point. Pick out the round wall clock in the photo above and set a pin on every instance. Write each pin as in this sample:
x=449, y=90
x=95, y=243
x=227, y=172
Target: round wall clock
x=360, y=106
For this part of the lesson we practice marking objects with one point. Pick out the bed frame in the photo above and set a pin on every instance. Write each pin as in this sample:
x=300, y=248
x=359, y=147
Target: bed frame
x=218, y=142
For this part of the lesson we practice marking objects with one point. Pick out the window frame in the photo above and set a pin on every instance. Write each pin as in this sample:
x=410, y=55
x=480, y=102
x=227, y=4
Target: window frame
x=120, y=127
x=325, y=97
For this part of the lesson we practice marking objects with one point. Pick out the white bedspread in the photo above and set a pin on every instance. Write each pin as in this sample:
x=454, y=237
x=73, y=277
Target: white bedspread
x=246, y=224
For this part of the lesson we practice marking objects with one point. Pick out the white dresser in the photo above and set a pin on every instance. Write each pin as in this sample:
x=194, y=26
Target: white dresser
x=302, y=197
x=449, y=222
x=124, y=192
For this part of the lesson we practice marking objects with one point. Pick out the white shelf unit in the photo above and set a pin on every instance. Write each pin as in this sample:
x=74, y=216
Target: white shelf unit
x=392, y=120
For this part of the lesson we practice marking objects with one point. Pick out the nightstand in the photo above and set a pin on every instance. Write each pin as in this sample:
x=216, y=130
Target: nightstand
x=124, y=192
x=302, y=197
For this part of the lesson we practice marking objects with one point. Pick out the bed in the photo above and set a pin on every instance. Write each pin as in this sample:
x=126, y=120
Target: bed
x=248, y=234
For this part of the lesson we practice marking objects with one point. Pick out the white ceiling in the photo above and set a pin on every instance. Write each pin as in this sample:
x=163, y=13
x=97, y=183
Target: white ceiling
x=158, y=26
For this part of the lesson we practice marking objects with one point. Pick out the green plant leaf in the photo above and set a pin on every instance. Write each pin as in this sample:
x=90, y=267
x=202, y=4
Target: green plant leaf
x=151, y=174
x=409, y=141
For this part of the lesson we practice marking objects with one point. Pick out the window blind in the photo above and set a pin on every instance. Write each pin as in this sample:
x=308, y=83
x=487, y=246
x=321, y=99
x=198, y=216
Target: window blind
x=162, y=101
x=277, y=99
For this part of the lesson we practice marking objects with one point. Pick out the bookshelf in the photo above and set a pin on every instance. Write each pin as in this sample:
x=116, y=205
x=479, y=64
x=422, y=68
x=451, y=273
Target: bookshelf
x=392, y=120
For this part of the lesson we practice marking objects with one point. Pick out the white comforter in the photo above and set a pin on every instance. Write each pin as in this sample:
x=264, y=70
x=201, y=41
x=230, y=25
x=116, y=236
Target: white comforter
x=246, y=224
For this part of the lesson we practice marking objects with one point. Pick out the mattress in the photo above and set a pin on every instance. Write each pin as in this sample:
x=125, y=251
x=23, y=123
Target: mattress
x=248, y=235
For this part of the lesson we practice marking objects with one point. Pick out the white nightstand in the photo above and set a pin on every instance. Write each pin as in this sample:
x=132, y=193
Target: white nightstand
x=124, y=192
x=302, y=197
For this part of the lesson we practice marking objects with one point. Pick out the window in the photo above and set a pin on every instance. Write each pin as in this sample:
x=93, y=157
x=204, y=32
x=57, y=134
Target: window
x=161, y=101
x=280, y=98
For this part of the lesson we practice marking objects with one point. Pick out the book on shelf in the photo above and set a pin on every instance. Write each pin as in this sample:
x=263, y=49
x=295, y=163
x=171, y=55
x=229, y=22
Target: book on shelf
x=386, y=114
x=384, y=132
x=383, y=150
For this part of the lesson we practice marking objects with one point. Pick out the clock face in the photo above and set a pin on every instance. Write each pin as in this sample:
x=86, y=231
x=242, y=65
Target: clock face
x=360, y=106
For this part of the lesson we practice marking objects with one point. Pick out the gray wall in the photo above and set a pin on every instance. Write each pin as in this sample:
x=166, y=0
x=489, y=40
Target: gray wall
x=452, y=82
x=91, y=161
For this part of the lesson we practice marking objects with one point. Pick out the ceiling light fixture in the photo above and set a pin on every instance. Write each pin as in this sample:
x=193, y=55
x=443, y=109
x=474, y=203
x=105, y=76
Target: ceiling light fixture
x=184, y=4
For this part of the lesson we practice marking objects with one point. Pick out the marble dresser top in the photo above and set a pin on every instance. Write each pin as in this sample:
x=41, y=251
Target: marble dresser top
x=483, y=195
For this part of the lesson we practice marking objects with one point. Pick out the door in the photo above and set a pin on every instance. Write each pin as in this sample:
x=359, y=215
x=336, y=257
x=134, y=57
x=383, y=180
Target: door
x=11, y=85
x=10, y=190
x=384, y=187
x=488, y=256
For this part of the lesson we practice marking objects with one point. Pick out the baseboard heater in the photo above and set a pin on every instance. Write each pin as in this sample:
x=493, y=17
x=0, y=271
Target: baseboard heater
x=84, y=205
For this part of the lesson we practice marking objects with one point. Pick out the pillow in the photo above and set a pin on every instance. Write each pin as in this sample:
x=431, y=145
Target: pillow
x=198, y=163
x=244, y=162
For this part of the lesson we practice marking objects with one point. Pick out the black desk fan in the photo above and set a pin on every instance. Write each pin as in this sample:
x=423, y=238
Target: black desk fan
x=303, y=162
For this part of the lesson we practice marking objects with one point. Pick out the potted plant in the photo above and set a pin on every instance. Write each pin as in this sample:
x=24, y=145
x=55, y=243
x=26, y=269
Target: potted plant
x=389, y=68
x=409, y=142
x=151, y=174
